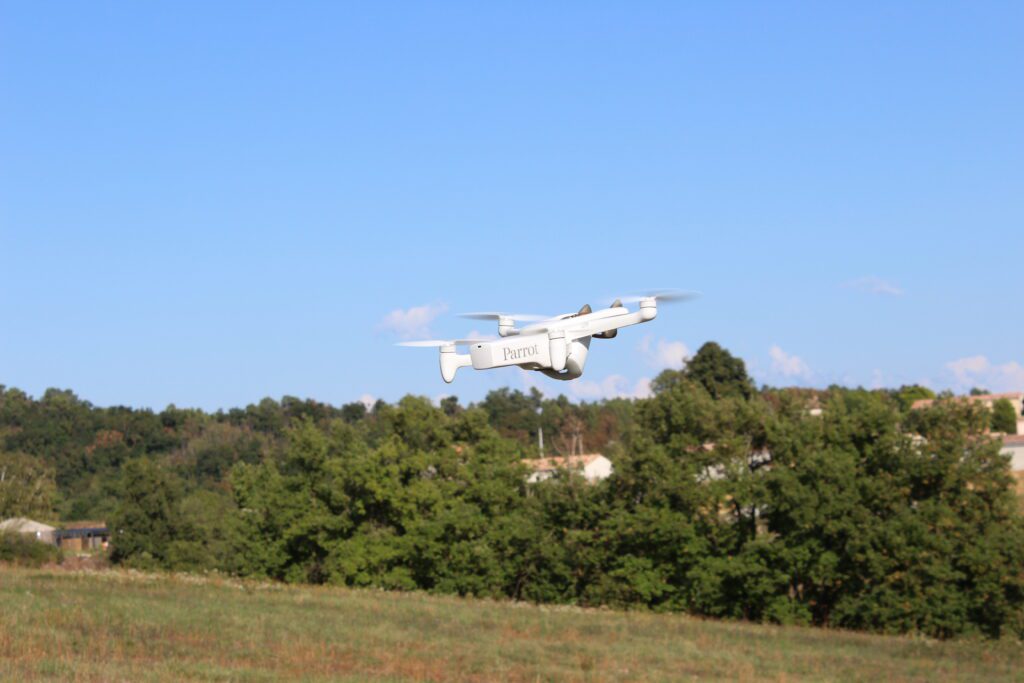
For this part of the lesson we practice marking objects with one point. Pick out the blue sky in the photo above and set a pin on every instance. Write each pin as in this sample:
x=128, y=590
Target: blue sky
x=210, y=203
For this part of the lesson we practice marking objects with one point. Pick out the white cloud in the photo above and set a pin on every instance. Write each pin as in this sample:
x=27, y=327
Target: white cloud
x=788, y=365
x=874, y=285
x=412, y=322
x=477, y=334
x=978, y=371
x=612, y=386
x=368, y=401
x=664, y=353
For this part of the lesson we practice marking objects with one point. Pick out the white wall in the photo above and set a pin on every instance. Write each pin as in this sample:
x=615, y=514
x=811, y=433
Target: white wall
x=600, y=468
x=1016, y=452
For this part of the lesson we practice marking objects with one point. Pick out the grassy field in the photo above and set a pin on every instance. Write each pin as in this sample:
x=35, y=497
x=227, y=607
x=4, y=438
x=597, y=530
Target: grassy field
x=120, y=626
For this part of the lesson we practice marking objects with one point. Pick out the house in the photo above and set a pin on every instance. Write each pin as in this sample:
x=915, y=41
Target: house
x=76, y=536
x=594, y=467
x=1013, y=446
x=44, y=533
x=1016, y=399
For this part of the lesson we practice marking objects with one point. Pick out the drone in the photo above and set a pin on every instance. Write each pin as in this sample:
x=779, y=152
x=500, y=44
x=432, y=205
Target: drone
x=556, y=347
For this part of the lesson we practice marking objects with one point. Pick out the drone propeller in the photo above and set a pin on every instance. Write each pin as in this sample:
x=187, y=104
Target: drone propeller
x=521, y=317
x=662, y=295
x=441, y=342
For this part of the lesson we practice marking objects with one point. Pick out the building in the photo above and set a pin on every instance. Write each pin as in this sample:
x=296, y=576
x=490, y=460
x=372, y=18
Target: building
x=44, y=533
x=1016, y=399
x=1013, y=446
x=594, y=467
x=76, y=536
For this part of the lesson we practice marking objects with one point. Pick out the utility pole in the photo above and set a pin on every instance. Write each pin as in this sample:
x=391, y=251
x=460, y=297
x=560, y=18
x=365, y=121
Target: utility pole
x=540, y=431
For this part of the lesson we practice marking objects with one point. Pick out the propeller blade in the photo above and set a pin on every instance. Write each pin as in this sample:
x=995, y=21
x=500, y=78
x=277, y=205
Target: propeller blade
x=522, y=317
x=441, y=342
x=662, y=296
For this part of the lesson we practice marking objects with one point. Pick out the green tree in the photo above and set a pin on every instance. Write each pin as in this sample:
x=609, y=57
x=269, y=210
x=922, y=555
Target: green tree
x=718, y=371
x=27, y=488
x=353, y=412
x=450, y=405
x=907, y=394
x=877, y=530
x=147, y=519
x=513, y=413
x=1004, y=417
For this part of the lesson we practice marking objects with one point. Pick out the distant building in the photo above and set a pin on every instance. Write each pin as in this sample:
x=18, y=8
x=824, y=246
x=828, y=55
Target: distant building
x=594, y=467
x=44, y=533
x=1016, y=399
x=1013, y=446
x=75, y=536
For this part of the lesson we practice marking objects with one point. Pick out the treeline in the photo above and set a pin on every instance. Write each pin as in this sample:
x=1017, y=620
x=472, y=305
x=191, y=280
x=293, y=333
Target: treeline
x=839, y=508
x=62, y=458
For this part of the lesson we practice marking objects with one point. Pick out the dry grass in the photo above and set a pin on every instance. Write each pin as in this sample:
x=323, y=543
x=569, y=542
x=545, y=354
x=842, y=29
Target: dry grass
x=121, y=626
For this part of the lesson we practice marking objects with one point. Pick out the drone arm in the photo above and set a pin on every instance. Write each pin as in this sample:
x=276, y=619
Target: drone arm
x=648, y=311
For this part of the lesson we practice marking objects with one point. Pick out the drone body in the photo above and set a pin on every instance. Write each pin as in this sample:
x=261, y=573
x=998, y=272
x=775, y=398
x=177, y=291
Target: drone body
x=556, y=346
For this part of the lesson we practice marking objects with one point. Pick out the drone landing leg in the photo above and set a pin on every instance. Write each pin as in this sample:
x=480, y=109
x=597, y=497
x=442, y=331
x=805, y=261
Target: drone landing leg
x=451, y=362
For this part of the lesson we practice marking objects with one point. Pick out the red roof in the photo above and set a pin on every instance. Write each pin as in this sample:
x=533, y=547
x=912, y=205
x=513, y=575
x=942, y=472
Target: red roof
x=1013, y=439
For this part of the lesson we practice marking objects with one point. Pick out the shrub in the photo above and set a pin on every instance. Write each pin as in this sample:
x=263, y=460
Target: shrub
x=25, y=551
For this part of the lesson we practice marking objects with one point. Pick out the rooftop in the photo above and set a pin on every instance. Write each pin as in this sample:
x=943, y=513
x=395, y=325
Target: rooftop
x=87, y=524
x=1012, y=396
x=24, y=525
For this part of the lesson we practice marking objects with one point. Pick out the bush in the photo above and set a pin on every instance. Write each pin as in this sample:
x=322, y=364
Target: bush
x=25, y=551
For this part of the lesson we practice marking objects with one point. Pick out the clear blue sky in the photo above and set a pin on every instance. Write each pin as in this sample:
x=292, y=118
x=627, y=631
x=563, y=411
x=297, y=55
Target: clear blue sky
x=210, y=203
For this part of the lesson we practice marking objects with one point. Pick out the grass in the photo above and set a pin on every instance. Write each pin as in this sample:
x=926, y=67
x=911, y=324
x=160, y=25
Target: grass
x=123, y=626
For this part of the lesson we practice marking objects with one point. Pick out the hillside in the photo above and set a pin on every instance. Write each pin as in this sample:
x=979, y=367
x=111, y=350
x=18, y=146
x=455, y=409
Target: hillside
x=140, y=627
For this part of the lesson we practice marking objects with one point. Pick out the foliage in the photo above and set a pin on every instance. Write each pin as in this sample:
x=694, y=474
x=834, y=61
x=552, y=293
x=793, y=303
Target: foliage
x=720, y=373
x=907, y=394
x=1004, y=417
x=146, y=522
x=25, y=551
x=27, y=488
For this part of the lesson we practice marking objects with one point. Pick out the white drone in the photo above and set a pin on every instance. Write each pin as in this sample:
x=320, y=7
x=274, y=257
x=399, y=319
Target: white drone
x=555, y=346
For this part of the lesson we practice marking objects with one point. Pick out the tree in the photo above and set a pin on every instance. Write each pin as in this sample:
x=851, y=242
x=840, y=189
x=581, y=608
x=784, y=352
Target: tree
x=146, y=521
x=715, y=369
x=877, y=530
x=353, y=412
x=513, y=413
x=909, y=393
x=1004, y=417
x=450, y=406
x=27, y=488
